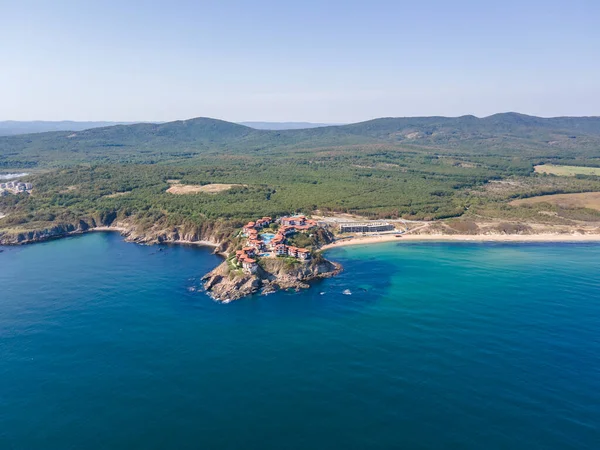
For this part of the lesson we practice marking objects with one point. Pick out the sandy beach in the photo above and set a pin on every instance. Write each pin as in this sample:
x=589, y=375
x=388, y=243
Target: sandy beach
x=466, y=238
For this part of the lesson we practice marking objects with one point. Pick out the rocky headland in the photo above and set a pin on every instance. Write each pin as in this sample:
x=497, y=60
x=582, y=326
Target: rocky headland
x=225, y=283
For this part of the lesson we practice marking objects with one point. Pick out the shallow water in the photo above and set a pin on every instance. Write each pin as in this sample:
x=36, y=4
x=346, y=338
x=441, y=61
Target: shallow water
x=106, y=344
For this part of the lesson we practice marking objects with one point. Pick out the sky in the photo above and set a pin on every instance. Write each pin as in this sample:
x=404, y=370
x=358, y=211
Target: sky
x=312, y=60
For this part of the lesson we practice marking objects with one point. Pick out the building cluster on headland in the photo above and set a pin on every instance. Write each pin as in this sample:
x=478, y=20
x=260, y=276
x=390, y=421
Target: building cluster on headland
x=14, y=187
x=277, y=246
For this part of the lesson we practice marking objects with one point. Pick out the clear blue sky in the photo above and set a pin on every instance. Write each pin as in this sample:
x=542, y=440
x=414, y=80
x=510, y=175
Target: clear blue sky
x=309, y=60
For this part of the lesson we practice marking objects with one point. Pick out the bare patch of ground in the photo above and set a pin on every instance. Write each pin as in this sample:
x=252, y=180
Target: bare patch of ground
x=184, y=189
x=589, y=200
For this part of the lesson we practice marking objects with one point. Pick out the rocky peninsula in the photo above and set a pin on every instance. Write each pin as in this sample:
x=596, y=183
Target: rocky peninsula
x=226, y=284
x=280, y=266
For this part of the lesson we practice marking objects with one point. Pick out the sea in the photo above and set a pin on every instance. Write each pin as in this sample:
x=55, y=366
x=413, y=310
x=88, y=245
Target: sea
x=112, y=345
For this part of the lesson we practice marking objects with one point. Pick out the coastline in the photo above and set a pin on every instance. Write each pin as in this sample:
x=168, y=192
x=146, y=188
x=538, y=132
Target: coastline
x=123, y=231
x=368, y=240
x=178, y=241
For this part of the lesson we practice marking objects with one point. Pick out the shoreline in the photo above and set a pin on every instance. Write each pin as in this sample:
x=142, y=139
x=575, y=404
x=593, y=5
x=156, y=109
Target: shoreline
x=178, y=241
x=121, y=230
x=368, y=240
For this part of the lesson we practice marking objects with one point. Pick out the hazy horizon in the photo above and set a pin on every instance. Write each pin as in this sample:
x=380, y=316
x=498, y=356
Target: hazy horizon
x=250, y=123
x=337, y=62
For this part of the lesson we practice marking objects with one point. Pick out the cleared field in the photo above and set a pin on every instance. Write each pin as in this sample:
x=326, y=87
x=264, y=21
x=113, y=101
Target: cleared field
x=184, y=189
x=583, y=200
x=567, y=171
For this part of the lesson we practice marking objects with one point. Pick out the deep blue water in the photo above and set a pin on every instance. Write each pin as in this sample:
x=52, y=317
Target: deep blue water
x=104, y=344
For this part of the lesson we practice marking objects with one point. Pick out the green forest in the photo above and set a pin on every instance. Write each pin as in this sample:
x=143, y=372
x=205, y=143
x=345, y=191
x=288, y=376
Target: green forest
x=421, y=168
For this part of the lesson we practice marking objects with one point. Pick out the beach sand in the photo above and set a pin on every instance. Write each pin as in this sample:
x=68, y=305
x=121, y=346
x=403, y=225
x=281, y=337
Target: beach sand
x=466, y=238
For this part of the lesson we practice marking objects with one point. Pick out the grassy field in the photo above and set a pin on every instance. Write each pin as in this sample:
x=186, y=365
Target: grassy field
x=567, y=171
x=589, y=200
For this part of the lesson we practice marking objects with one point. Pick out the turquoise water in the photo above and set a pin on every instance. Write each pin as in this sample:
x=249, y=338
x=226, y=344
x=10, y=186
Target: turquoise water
x=106, y=344
x=267, y=237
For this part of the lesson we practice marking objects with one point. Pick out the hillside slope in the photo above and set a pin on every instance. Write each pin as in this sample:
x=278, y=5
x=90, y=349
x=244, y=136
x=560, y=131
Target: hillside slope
x=507, y=134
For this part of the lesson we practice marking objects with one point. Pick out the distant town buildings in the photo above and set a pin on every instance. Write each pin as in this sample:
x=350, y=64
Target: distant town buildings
x=14, y=187
x=365, y=227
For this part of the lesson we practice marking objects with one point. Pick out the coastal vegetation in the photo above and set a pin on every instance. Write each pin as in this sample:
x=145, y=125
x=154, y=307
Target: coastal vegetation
x=412, y=168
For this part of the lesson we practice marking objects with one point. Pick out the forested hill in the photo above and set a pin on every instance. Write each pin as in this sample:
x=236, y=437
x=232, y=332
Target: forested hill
x=501, y=134
x=12, y=127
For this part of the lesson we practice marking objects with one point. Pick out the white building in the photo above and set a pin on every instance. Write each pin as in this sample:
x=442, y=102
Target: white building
x=365, y=227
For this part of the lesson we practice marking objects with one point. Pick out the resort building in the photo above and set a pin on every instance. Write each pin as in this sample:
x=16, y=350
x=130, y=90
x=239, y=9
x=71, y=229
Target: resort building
x=255, y=226
x=264, y=222
x=249, y=265
x=365, y=227
x=298, y=222
x=250, y=251
x=248, y=228
x=245, y=257
x=276, y=241
x=255, y=244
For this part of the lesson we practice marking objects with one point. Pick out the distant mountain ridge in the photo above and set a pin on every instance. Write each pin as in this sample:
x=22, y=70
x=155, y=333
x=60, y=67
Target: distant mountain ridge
x=285, y=125
x=12, y=127
x=507, y=134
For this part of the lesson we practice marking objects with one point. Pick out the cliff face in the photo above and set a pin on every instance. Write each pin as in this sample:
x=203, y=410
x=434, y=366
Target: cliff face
x=44, y=234
x=214, y=233
x=273, y=274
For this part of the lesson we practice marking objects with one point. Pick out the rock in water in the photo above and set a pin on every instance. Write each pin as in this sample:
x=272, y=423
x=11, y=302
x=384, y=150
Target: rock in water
x=272, y=275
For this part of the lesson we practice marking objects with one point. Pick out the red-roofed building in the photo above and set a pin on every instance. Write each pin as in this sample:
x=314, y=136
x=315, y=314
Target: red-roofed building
x=256, y=243
x=244, y=256
x=250, y=251
x=249, y=265
x=291, y=221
